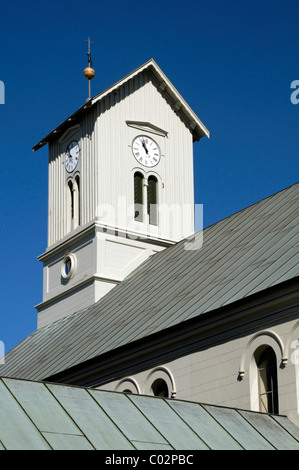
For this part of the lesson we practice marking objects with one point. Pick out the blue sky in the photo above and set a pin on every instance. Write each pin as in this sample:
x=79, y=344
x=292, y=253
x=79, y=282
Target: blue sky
x=232, y=60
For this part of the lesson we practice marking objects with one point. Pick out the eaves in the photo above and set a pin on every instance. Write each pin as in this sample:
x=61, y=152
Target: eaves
x=199, y=130
x=243, y=317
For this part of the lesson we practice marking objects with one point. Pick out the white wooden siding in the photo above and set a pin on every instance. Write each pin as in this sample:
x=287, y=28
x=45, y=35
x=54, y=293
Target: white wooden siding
x=107, y=160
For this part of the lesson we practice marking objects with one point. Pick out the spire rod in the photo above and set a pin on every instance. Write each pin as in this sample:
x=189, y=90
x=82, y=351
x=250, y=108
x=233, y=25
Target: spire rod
x=88, y=53
x=89, y=72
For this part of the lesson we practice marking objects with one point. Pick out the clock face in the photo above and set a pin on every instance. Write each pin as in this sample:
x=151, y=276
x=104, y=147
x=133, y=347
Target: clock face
x=72, y=156
x=146, y=151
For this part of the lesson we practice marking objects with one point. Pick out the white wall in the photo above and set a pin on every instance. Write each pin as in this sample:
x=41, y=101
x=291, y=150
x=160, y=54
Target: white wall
x=103, y=259
x=107, y=164
x=212, y=375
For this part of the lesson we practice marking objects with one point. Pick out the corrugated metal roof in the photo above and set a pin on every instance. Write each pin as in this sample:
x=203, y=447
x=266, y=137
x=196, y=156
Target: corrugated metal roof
x=41, y=416
x=246, y=253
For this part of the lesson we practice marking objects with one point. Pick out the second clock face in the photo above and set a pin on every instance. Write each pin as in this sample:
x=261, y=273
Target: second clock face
x=146, y=151
x=72, y=156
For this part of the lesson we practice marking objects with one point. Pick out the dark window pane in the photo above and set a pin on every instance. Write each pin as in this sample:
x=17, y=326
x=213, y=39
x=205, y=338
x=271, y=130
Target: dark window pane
x=152, y=200
x=138, y=196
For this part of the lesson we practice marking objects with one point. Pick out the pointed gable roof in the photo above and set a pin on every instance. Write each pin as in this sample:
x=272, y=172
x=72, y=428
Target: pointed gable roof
x=198, y=128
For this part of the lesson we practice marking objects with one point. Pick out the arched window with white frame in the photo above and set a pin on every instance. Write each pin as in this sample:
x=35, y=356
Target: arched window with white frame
x=152, y=200
x=70, y=205
x=266, y=364
x=76, y=198
x=73, y=203
x=146, y=197
x=259, y=363
x=138, y=196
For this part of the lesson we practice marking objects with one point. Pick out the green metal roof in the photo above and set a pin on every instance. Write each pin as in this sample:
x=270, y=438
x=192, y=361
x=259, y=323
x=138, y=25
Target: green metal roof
x=244, y=254
x=40, y=416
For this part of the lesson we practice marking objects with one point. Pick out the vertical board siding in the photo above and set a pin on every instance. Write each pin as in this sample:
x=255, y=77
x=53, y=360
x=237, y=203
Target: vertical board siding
x=107, y=161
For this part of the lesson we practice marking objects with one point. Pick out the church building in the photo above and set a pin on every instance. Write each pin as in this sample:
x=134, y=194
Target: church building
x=137, y=305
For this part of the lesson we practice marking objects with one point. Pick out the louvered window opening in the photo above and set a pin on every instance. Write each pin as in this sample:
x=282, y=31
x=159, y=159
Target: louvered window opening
x=268, y=387
x=151, y=196
x=70, y=185
x=138, y=197
x=152, y=200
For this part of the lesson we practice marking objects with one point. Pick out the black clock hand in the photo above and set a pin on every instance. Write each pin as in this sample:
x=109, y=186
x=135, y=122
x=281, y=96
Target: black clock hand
x=144, y=146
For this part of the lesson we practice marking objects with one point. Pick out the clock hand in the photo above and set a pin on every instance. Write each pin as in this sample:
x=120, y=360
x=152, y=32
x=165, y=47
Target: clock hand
x=144, y=146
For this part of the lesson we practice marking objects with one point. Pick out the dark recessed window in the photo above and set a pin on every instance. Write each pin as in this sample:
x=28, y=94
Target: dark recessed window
x=138, y=196
x=152, y=200
x=70, y=185
x=77, y=179
x=267, y=371
x=160, y=389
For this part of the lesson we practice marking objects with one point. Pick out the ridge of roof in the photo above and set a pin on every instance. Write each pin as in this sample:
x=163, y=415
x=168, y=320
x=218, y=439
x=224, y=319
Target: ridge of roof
x=255, y=203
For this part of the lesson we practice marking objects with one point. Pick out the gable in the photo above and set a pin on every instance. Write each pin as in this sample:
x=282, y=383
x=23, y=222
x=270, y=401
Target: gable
x=162, y=82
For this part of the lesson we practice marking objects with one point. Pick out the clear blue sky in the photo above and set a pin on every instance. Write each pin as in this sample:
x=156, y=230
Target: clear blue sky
x=232, y=60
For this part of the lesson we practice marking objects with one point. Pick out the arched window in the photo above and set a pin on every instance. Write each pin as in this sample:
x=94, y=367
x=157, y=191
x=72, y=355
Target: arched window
x=152, y=200
x=160, y=383
x=138, y=196
x=128, y=385
x=72, y=199
x=266, y=363
x=73, y=203
x=76, y=198
x=160, y=389
x=70, y=206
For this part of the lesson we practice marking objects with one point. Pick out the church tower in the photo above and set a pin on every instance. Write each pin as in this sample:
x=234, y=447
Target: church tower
x=120, y=188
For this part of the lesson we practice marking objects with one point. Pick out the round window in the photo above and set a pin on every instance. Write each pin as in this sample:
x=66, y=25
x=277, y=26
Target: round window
x=68, y=267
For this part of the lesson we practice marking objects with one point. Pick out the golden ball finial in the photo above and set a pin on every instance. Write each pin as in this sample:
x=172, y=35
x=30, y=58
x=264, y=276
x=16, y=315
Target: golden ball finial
x=89, y=73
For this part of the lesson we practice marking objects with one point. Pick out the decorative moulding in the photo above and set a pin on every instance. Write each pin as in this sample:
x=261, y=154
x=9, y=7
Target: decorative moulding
x=147, y=127
x=69, y=133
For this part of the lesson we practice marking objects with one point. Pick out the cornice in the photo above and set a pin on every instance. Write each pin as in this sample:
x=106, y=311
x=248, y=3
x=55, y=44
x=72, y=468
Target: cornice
x=198, y=128
x=243, y=317
x=96, y=226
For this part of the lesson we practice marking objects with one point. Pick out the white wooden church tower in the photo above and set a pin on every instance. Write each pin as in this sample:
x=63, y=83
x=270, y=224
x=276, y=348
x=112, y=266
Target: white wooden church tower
x=120, y=188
